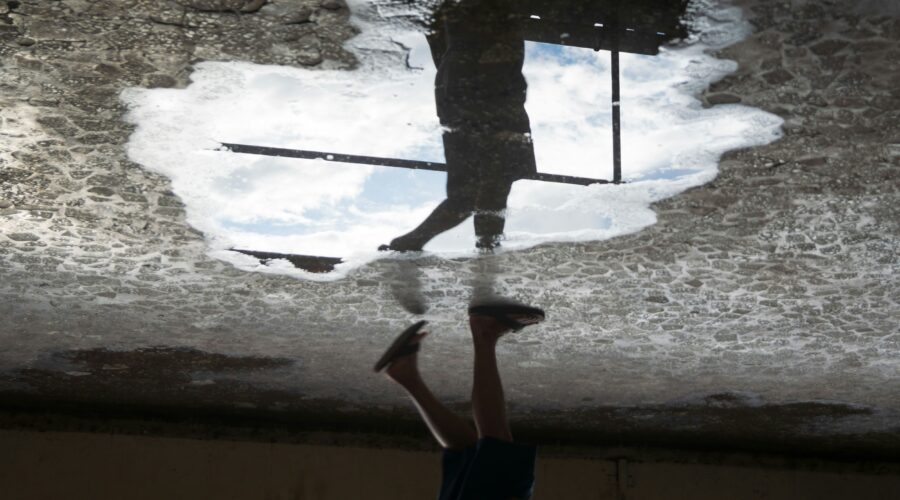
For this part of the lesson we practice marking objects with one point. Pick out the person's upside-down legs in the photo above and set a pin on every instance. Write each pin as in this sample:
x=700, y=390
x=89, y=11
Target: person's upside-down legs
x=488, y=401
x=450, y=430
x=480, y=462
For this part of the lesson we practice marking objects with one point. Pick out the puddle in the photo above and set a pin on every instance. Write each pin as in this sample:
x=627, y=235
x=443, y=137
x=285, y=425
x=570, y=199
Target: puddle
x=387, y=108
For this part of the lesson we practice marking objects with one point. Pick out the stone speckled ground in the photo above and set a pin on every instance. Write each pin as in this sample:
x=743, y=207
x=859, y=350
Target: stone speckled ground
x=761, y=311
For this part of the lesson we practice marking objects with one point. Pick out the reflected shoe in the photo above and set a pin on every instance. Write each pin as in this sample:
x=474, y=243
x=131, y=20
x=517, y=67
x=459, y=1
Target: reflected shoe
x=487, y=244
x=396, y=245
x=512, y=314
x=483, y=249
x=400, y=347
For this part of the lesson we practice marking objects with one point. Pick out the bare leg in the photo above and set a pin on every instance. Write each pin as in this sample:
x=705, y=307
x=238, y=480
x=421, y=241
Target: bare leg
x=488, y=402
x=450, y=430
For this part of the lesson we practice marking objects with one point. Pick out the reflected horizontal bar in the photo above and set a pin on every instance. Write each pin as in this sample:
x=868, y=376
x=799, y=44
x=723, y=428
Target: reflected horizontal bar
x=311, y=263
x=388, y=162
x=337, y=157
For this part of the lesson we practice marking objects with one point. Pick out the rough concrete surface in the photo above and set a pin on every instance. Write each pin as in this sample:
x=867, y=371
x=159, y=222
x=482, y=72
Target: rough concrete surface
x=761, y=310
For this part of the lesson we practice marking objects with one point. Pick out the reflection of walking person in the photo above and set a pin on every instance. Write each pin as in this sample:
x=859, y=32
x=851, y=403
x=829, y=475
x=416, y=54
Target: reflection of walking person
x=478, y=49
x=481, y=463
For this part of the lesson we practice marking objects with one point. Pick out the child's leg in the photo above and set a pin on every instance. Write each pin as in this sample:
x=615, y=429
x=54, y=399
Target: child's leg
x=450, y=430
x=488, y=401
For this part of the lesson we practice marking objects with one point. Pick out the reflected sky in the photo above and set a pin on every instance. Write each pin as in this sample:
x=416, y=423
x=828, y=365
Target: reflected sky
x=386, y=108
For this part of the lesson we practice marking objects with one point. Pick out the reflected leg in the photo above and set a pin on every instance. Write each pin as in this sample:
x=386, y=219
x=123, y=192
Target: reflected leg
x=490, y=212
x=449, y=214
x=462, y=192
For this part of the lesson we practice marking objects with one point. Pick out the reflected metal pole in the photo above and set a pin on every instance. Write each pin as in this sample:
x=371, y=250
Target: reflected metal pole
x=385, y=162
x=616, y=118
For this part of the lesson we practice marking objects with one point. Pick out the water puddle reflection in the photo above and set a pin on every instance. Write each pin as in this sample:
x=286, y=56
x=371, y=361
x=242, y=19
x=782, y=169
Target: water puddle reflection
x=475, y=94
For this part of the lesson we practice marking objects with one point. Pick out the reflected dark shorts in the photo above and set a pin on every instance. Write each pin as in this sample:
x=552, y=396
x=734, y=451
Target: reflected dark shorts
x=492, y=469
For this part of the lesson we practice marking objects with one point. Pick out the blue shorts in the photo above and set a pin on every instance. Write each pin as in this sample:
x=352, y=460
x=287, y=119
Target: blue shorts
x=492, y=469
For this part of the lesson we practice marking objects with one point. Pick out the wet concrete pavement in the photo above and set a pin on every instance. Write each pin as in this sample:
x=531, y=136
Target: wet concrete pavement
x=759, y=312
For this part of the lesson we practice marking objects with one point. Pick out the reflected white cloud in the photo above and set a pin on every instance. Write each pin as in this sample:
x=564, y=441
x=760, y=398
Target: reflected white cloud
x=386, y=108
